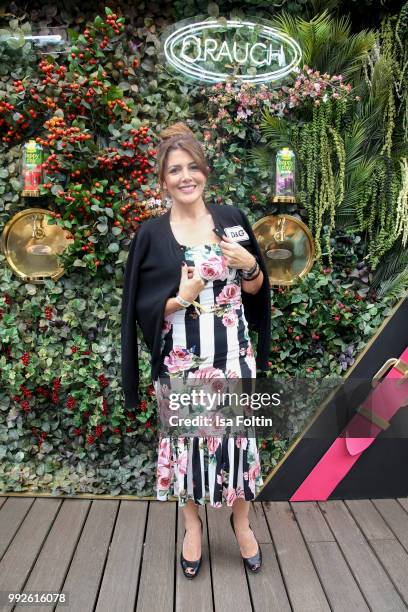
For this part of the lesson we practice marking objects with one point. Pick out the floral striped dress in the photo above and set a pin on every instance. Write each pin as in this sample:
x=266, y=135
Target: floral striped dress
x=212, y=346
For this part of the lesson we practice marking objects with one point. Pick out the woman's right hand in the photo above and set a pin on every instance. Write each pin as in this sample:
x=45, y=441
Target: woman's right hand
x=191, y=283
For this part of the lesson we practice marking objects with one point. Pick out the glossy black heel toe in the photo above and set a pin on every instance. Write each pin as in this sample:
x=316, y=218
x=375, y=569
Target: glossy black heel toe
x=254, y=563
x=190, y=565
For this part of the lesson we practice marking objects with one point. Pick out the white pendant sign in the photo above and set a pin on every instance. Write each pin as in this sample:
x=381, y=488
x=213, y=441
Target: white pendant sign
x=213, y=50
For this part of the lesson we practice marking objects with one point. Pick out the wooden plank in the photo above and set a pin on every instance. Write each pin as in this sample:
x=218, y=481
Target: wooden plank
x=84, y=575
x=371, y=577
x=338, y=582
x=395, y=560
x=50, y=569
x=119, y=585
x=23, y=550
x=302, y=582
x=227, y=566
x=340, y=587
x=12, y=515
x=396, y=518
x=156, y=588
x=193, y=594
x=267, y=587
x=404, y=502
x=369, y=520
x=312, y=523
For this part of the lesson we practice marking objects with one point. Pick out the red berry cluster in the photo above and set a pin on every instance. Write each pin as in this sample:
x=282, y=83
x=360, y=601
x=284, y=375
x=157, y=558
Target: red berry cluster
x=56, y=385
x=71, y=402
x=112, y=107
x=51, y=165
x=42, y=392
x=9, y=117
x=58, y=131
x=41, y=436
x=103, y=380
x=25, y=359
x=48, y=313
x=113, y=21
x=18, y=86
x=53, y=73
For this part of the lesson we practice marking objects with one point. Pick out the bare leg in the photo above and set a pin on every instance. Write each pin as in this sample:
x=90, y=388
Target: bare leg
x=245, y=536
x=192, y=540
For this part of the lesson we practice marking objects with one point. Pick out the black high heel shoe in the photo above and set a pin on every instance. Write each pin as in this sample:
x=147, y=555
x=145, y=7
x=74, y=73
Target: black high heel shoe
x=188, y=565
x=254, y=563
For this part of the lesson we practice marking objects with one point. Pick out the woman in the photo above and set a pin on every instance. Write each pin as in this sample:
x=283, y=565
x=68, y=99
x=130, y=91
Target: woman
x=183, y=283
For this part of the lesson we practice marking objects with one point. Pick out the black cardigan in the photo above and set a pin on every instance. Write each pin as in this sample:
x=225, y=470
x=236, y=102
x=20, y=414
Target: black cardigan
x=152, y=275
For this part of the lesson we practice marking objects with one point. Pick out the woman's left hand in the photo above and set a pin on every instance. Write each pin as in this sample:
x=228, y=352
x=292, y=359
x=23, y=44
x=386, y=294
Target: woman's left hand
x=236, y=256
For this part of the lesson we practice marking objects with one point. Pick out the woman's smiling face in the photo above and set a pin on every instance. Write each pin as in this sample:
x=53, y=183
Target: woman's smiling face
x=183, y=178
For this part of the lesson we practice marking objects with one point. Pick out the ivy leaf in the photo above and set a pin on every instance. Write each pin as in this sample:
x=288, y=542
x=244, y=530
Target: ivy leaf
x=102, y=228
x=115, y=133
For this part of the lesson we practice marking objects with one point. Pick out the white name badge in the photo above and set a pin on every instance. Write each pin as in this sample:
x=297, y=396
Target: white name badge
x=236, y=233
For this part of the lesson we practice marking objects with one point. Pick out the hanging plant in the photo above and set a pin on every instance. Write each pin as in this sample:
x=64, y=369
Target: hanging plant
x=320, y=152
x=402, y=205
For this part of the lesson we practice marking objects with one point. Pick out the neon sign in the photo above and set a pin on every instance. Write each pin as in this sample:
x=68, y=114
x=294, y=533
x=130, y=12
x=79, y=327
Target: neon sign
x=212, y=50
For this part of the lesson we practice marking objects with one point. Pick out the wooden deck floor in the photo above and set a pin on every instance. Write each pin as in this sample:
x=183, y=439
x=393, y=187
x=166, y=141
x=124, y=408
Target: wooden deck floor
x=120, y=556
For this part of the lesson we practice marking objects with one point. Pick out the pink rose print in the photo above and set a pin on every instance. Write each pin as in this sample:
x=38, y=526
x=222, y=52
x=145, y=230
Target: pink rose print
x=212, y=444
x=231, y=374
x=245, y=475
x=178, y=360
x=249, y=351
x=230, y=294
x=230, y=319
x=207, y=373
x=219, y=385
x=163, y=477
x=213, y=268
x=219, y=479
x=209, y=379
x=241, y=442
x=230, y=496
x=164, y=452
x=254, y=471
